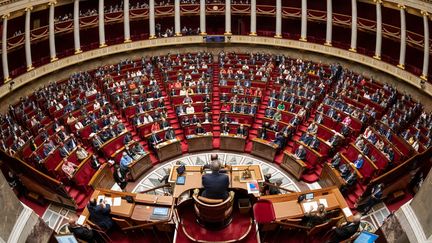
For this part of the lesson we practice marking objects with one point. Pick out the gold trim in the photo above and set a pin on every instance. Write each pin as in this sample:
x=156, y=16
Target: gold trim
x=227, y=33
x=423, y=77
x=377, y=57
x=401, y=6
x=327, y=43
x=28, y=8
x=278, y=36
x=53, y=59
x=7, y=79
x=424, y=13
x=352, y=49
x=102, y=45
x=253, y=34
x=5, y=16
x=303, y=39
x=401, y=66
x=29, y=68
x=127, y=40
x=152, y=37
x=178, y=34
x=78, y=51
x=203, y=33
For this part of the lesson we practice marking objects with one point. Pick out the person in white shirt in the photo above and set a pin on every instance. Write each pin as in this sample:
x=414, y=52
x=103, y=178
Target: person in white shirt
x=78, y=125
x=113, y=119
x=183, y=91
x=190, y=109
x=148, y=119
x=96, y=105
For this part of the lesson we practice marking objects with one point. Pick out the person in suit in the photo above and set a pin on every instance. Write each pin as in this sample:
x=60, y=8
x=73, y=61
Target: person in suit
x=375, y=197
x=300, y=153
x=335, y=161
x=215, y=184
x=120, y=177
x=314, y=143
x=225, y=128
x=169, y=134
x=154, y=139
x=306, y=138
x=345, y=230
x=279, y=141
x=313, y=218
x=125, y=160
x=100, y=214
x=199, y=129
x=195, y=119
x=241, y=131
x=82, y=232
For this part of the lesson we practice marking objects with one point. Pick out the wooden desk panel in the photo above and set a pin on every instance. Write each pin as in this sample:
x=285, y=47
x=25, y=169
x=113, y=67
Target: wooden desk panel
x=124, y=210
x=103, y=178
x=264, y=149
x=150, y=198
x=138, y=168
x=331, y=177
x=169, y=149
x=200, y=142
x=294, y=166
x=143, y=213
x=232, y=142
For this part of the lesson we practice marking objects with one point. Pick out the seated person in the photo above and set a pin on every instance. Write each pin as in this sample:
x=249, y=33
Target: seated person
x=190, y=109
x=195, y=119
x=313, y=218
x=306, y=138
x=225, y=129
x=82, y=232
x=215, y=184
x=262, y=133
x=186, y=121
x=300, y=153
x=358, y=163
x=68, y=168
x=225, y=118
x=295, y=120
x=336, y=160
x=154, y=139
x=279, y=141
x=100, y=214
x=312, y=128
x=274, y=190
x=345, y=230
x=334, y=140
x=81, y=153
x=241, y=131
x=125, y=160
x=314, y=143
x=199, y=129
x=169, y=134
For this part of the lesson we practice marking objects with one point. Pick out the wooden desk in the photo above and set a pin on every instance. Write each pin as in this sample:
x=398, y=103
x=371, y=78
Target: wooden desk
x=150, y=198
x=200, y=142
x=193, y=177
x=331, y=177
x=294, y=166
x=103, y=178
x=287, y=207
x=232, y=142
x=264, y=149
x=138, y=167
x=168, y=149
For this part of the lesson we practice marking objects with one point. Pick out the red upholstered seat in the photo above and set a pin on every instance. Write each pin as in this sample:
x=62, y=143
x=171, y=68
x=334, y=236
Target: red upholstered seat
x=263, y=211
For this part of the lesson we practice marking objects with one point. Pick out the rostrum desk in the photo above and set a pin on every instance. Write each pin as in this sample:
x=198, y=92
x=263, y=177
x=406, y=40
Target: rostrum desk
x=264, y=149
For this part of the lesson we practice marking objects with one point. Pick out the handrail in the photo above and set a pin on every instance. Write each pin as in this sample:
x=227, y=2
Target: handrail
x=278, y=187
x=155, y=188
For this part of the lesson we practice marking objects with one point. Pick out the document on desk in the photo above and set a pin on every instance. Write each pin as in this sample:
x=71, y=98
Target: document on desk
x=117, y=201
x=81, y=219
x=323, y=201
x=310, y=206
x=108, y=200
x=252, y=187
x=100, y=198
x=347, y=212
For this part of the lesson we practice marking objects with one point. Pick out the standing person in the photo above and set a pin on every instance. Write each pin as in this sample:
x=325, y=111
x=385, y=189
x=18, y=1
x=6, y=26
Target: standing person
x=375, y=197
x=215, y=184
x=120, y=177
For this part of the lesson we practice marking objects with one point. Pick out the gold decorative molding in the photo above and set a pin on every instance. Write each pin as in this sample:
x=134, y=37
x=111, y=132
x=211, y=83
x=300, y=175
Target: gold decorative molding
x=253, y=34
x=102, y=45
x=327, y=43
x=352, y=50
x=377, y=57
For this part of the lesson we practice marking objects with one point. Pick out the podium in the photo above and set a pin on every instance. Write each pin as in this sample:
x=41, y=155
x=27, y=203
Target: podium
x=168, y=149
x=138, y=167
x=264, y=149
x=200, y=142
x=232, y=142
x=294, y=166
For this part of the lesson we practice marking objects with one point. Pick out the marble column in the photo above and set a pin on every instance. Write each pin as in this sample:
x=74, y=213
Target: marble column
x=425, y=71
x=4, y=49
x=329, y=27
x=27, y=40
x=402, y=51
x=126, y=24
x=378, y=41
x=76, y=27
x=101, y=24
x=353, y=26
x=278, y=19
x=253, y=18
x=203, y=17
x=227, y=17
x=51, y=30
x=152, y=19
x=303, y=35
x=177, y=22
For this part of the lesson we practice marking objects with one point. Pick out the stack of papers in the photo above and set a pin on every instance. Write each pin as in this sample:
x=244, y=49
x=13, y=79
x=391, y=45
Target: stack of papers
x=323, y=201
x=117, y=201
x=347, y=212
x=81, y=220
x=310, y=206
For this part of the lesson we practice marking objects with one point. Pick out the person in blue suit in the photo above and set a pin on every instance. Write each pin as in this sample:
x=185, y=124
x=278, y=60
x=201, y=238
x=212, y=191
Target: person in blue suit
x=100, y=214
x=215, y=184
